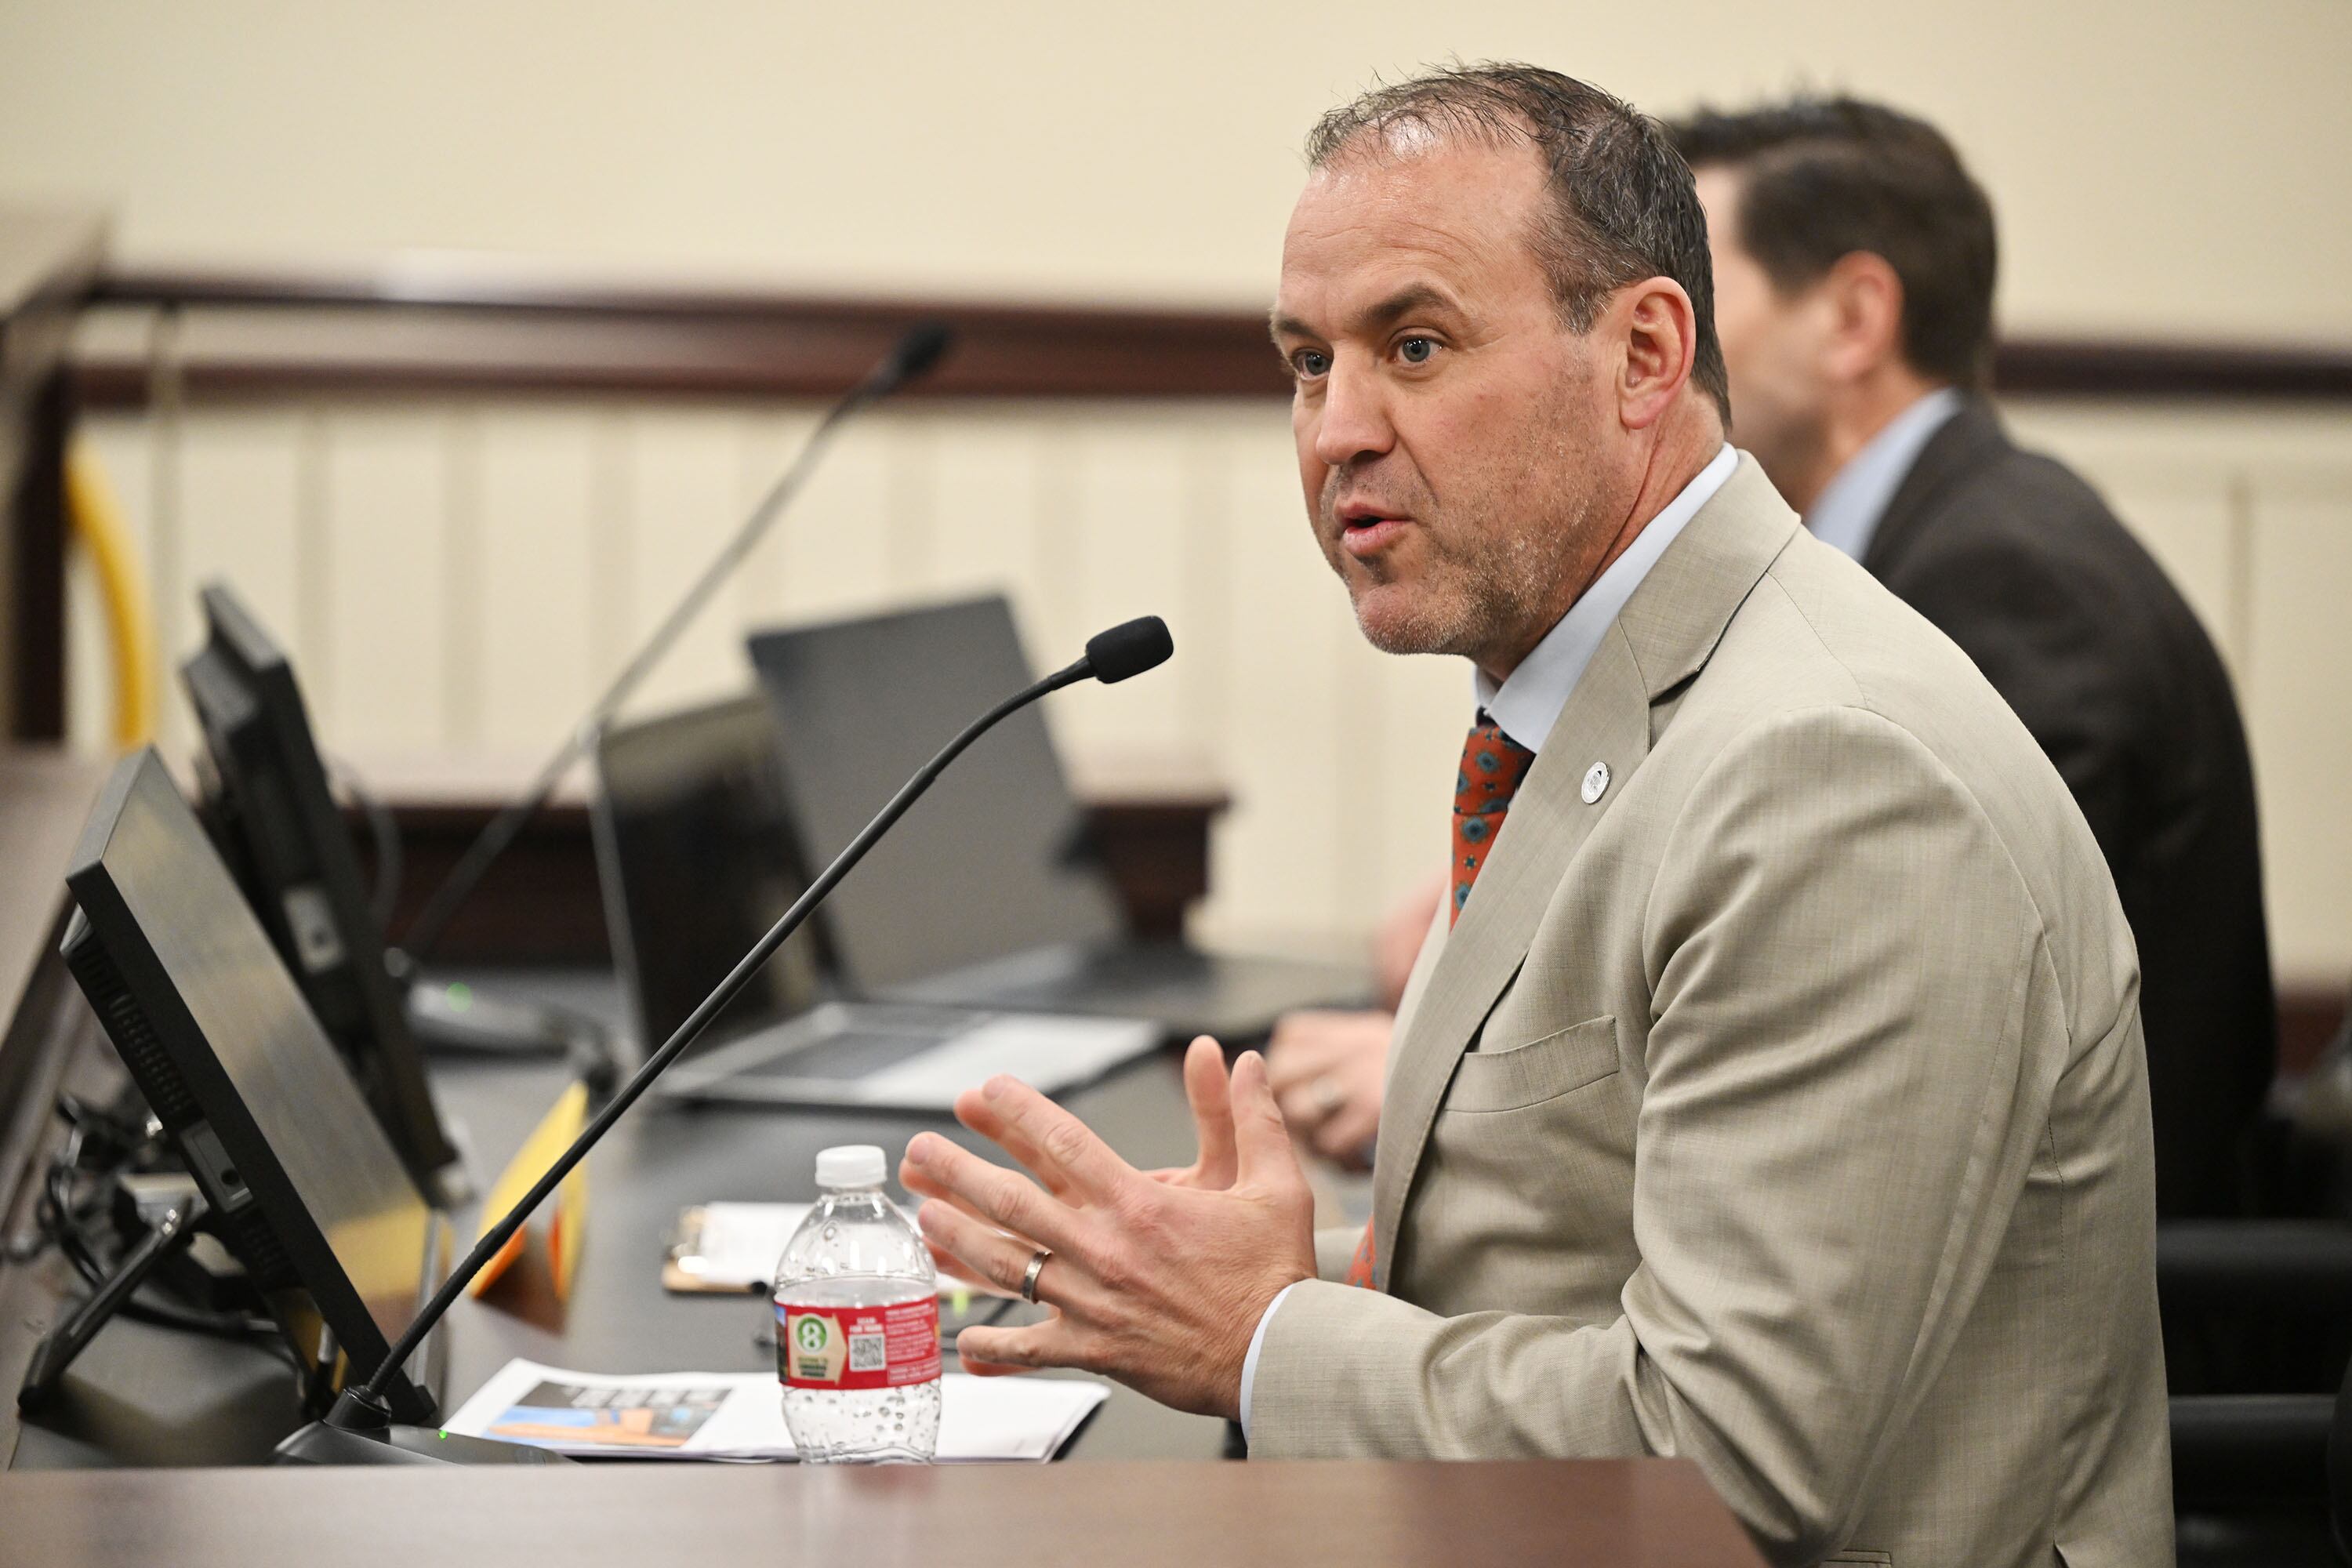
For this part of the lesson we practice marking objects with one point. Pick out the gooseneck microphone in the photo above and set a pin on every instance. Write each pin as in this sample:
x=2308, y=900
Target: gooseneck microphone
x=1128, y=648
x=915, y=353
x=360, y=1428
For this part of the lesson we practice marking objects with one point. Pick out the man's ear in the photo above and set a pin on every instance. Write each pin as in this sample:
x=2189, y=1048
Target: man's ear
x=1864, y=295
x=1660, y=331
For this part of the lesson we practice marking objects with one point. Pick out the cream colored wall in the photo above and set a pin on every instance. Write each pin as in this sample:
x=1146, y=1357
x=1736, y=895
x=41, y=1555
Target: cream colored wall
x=460, y=575
x=2173, y=165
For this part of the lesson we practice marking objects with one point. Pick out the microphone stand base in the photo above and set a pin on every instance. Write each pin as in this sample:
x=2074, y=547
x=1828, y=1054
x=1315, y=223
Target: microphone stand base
x=452, y=1021
x=357, y=1433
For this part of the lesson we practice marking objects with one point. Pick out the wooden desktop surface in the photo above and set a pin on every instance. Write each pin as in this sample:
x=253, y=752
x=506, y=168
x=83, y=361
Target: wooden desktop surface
x=1621, y=1514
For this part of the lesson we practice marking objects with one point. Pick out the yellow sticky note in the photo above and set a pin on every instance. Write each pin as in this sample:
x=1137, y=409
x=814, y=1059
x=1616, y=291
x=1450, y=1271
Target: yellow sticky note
x=546, y=1143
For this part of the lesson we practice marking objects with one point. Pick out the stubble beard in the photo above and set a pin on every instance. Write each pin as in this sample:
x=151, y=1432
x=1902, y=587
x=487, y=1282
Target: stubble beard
x=1492, y=584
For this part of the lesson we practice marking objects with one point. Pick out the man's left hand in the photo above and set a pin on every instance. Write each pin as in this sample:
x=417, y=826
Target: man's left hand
x=1156, y=1283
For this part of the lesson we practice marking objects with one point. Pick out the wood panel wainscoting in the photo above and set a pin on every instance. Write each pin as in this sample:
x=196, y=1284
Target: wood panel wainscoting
x=416, y=328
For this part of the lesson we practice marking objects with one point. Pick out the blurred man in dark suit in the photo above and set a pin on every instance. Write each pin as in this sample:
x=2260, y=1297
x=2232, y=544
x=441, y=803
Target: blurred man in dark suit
x=1854, y=261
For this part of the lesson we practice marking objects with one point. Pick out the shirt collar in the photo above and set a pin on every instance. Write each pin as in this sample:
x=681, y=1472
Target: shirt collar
x=1848, y=512
x=1528, y=703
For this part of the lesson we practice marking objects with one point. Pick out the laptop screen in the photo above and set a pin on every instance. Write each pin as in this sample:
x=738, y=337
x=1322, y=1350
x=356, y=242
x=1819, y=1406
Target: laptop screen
x=995, y=859
x=697, y=864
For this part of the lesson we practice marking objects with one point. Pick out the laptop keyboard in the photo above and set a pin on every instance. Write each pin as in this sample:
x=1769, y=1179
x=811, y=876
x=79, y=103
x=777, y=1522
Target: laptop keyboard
x=853, y=1053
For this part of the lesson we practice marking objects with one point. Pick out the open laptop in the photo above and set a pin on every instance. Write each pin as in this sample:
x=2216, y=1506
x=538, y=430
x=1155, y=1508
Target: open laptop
x=988, y=892
x=695, y=864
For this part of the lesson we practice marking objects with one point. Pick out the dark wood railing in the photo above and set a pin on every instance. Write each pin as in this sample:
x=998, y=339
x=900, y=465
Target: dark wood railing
x=406, y=331
x=247, y=336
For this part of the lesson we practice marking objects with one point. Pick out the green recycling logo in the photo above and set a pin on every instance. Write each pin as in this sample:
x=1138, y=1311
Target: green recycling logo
x=810, y=1332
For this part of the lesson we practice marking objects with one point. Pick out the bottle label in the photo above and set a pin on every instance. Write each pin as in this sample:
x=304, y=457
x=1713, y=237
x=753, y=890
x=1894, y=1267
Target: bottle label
x=858, y=1347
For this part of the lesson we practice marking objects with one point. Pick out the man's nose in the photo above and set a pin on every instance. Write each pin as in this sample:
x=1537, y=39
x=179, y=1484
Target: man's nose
x=1355, y=418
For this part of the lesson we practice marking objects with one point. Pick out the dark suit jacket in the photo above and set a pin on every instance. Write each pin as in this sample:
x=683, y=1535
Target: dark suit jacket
x=2020, y=561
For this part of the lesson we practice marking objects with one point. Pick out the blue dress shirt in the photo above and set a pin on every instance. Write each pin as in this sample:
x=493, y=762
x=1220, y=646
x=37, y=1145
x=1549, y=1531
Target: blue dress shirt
x=1847, y=513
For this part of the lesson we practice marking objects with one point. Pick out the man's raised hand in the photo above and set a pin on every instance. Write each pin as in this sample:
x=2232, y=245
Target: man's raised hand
x=1157, y=1282
x=1210, y=1093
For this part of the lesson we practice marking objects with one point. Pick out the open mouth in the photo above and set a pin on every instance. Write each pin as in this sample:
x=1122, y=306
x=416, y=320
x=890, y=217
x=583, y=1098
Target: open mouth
x=1363, y=531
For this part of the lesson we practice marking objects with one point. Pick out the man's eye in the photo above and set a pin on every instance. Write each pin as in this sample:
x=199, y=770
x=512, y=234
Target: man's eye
x=1310, y=363
x=1416, y=350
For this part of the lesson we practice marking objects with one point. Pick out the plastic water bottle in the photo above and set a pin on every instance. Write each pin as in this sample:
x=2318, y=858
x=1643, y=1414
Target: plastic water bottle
x=858, y=1323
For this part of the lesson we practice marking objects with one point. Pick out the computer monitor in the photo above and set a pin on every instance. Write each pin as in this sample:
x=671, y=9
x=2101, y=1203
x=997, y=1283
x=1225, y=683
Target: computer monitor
x=268, y=807
x=996, y=860
x=697, y=862
x=308, y=1191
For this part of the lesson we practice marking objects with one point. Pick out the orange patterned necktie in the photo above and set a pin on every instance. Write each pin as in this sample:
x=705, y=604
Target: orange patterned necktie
x=1493, y=767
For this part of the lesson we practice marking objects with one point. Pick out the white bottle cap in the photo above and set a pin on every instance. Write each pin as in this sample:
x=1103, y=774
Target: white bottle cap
x=851, y=1165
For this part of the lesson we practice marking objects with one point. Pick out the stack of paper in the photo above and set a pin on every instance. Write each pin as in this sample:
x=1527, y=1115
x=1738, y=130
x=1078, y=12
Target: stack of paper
x=740, y=1415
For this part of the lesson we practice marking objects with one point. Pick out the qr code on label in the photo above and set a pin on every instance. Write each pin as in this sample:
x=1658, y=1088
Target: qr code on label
x=868, y=1352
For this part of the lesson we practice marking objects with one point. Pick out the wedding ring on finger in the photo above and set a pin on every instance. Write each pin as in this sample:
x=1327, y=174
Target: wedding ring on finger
x=1029, y=1278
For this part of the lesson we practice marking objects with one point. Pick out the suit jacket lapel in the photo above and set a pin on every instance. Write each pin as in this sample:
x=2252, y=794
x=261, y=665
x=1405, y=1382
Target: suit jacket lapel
x=1955, y=449
x=1661, y=639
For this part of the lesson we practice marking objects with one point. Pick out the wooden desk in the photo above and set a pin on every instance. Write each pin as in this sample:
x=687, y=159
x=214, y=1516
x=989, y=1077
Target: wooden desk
x=143, y=1395
x=149, y=1396
x=49, y=1039
x=1621, y=1513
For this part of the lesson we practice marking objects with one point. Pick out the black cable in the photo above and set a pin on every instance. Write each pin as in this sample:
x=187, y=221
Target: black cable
x=63, y=1219
x=383, y=829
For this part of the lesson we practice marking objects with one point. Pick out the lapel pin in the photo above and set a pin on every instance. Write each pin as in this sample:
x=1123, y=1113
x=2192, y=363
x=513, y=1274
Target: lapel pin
x=1596, y=779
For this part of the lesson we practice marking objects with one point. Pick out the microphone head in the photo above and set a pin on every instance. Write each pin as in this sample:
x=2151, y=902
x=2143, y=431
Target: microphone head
x=922, y=347
x=1130, y=649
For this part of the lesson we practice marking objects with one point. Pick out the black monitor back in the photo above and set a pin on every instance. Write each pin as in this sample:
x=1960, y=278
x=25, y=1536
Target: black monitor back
x=996, y=858
x=310, y=1194
x=695, y=859
x=276, y=825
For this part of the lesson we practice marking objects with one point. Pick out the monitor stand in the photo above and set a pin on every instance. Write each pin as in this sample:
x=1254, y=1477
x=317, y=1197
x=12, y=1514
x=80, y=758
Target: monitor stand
x=456, y=1020
x=57, y=1352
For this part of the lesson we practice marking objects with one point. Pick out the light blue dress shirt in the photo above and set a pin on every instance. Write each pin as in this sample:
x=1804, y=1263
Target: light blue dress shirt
x=1847, y=513
x=1528, y=703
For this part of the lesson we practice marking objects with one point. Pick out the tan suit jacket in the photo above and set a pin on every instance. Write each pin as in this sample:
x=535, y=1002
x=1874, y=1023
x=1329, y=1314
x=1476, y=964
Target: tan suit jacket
x=1783, y=1107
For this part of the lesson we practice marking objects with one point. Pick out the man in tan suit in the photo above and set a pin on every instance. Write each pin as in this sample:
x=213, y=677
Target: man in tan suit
x=1769, y=1090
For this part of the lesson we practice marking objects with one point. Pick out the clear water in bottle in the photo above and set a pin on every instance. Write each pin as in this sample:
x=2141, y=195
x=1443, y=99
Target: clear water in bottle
x=858, y=1323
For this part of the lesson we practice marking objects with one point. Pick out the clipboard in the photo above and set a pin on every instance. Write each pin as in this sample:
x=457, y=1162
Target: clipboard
x=689, y=1267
